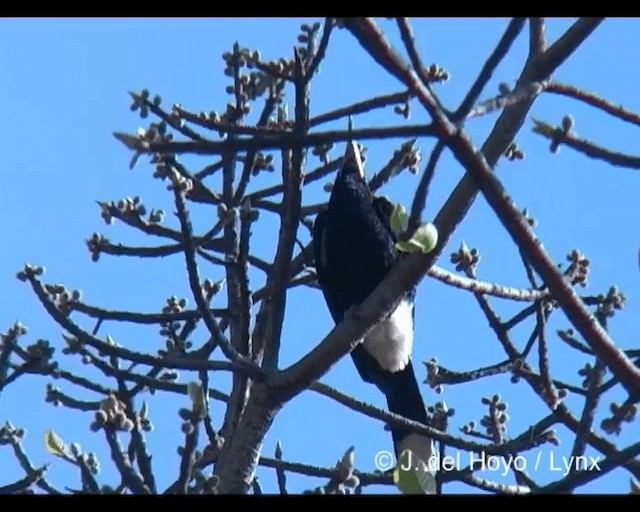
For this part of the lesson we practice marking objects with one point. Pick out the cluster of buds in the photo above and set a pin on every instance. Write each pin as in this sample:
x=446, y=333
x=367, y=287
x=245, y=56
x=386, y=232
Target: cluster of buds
x=578, y=270
x=557, y=135
x=440, y=414
x=610, y=303
x=112, y=413
x=345, y=481
x=410, y=157
x=513, y=152
x=248, y=86
x=127, y=207
x=322, y=151
x=14, y=332
x=261, y=162
x=433, y=370
x=140, y=102
x=174, y=305
x=30, y=271
x=62, y=298
x=74, y=345
x=90, y=460
x=180, y=183
x=495, y=422
x=52, y=395
x=39, y=355
x=625, y=413
x=155, y=216
x=10, y=434
x=308, y=35
x=156, y=132
x=436, y=73
x=95, y=243
x=210, y=288
x=465, y=259
x=175, y=345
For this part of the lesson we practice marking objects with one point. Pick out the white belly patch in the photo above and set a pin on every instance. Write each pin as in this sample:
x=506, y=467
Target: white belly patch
x=391, y=341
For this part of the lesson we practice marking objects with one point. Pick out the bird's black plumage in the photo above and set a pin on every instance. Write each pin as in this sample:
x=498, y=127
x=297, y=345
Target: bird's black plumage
x=354, y=249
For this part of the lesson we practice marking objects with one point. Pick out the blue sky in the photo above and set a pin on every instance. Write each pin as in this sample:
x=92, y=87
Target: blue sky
x=63, y=88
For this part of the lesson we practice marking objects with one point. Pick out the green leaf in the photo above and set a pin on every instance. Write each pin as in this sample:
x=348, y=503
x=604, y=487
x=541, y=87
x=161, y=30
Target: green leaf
x=399, y=219
x=412, y=476
x=427, y=236
x=408, y=246
x=54, y=444
x=198, y=400
x=424, y=240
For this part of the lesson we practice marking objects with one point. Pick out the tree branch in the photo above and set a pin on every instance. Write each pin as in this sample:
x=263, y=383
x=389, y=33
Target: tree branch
x=282, y=140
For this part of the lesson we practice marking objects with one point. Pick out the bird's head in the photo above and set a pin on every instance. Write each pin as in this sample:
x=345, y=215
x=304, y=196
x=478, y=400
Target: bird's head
x=350, y=190
x=350, y=182
x=352, y=167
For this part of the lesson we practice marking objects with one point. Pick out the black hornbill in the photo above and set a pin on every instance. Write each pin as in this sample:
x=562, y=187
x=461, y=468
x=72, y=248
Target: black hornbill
x=354, y=249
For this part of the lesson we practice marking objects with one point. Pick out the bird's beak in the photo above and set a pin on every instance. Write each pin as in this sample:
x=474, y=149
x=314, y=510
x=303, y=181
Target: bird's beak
x=353, y=160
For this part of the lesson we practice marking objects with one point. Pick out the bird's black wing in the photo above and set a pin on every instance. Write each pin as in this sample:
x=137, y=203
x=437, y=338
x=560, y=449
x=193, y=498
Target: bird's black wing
x=319, y=256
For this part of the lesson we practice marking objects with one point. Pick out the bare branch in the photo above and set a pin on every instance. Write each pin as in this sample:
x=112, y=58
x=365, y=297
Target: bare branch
x=485, y=288
x=282, y=140
x=591, y=472
x=420, y=196
x=194, y=281
x=557, y=138
x=130, y=476
x=499, y=53
x=568, y=43
x=317, y=58
x=537, y=37
x=361, y=107
x=594, y=100
x=24, y=483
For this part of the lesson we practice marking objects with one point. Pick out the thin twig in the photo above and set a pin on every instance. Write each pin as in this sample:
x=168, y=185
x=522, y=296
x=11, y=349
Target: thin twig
x=271, y=315
x=188, y=456
x=282, y=140
x=499, y=53
x=588, y=412
x=24, y=483
x=549, y=391
x=361, y=108
x=591, y=472
x=420, y=196
x=395, y=420
x=594, y=100
x=28, y=468
x=143, y=318
x=592, y=150
x=129, y=475
x=194, y=281
x=314, y=63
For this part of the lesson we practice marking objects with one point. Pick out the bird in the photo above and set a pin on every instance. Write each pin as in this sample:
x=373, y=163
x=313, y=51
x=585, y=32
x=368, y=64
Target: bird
x=354, y=249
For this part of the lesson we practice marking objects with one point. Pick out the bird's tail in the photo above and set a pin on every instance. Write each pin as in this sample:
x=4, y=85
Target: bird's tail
x=404, y=398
